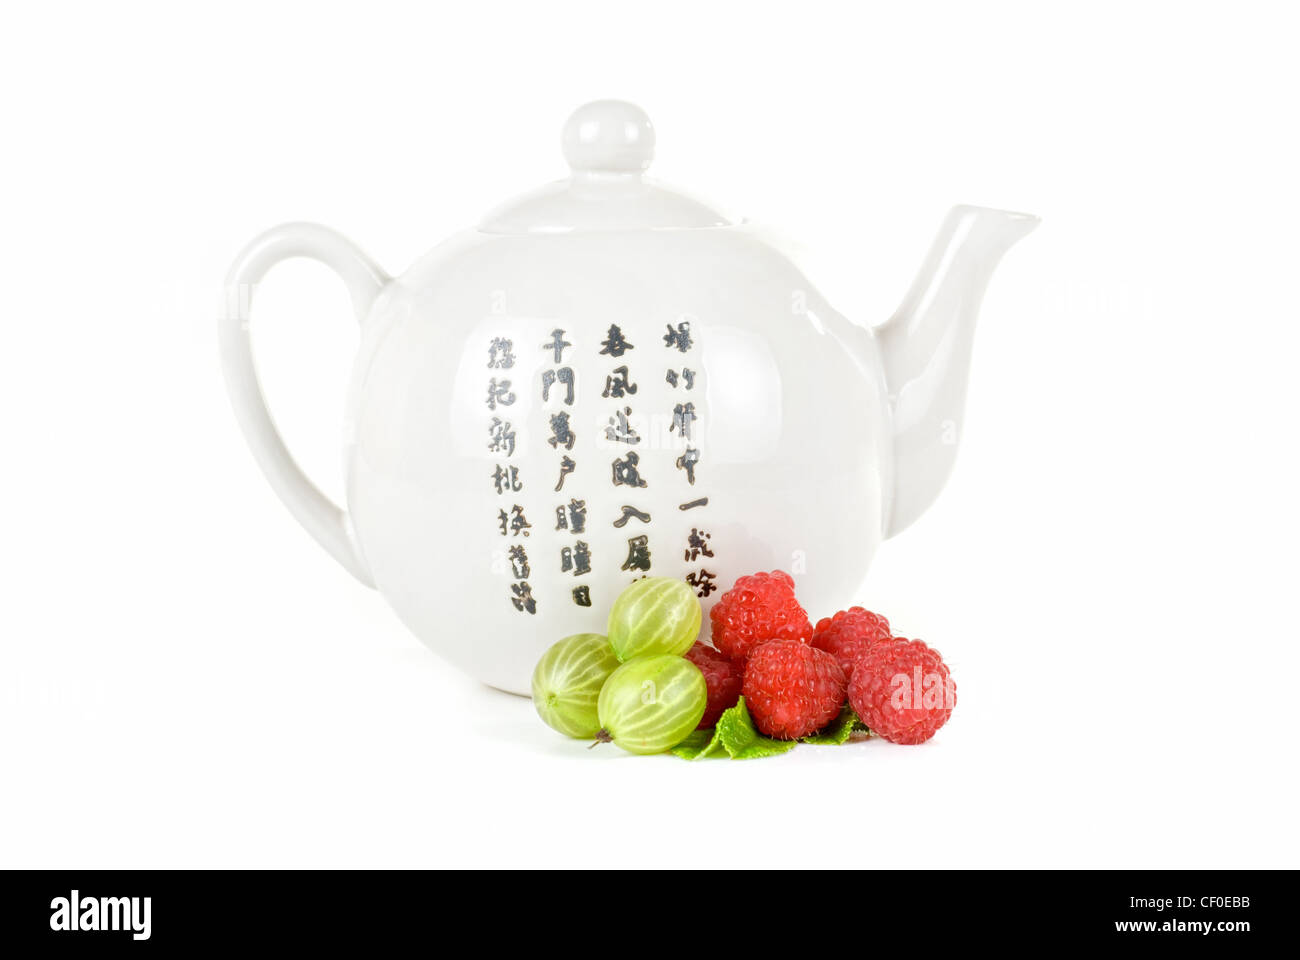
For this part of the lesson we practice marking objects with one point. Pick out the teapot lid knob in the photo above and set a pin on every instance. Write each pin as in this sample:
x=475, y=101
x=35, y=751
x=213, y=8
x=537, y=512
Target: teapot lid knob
x=609, y=136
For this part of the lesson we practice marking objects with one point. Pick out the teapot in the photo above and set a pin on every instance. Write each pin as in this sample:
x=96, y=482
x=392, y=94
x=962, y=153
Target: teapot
x=607, y=379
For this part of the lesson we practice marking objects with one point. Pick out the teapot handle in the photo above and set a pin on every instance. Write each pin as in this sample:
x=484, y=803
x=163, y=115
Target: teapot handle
x=322, y=518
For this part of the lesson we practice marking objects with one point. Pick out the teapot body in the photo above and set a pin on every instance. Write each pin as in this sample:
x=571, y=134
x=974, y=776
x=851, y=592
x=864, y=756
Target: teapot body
x=535, y=421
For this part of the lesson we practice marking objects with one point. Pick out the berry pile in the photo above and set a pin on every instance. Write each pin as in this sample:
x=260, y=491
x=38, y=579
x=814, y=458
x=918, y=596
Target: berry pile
x=796, y=678
x=631, y=688
x=770, y=678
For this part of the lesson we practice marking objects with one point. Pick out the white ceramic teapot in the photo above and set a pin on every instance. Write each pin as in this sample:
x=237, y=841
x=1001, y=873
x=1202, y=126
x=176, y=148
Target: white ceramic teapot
x=606, y=380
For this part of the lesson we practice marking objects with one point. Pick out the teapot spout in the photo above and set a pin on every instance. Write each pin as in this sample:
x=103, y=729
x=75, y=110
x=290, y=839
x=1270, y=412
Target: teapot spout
x=926, y=350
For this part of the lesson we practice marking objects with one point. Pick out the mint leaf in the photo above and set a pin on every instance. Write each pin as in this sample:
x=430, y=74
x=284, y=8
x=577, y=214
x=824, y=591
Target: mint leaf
x=838, y=731
x=736, y=734
x=741, y=741
x=698, y=745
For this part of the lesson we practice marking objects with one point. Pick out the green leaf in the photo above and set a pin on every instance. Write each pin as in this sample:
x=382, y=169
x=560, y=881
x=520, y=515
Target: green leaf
x=741, y=741
x=838, y=731
x=736, y=735
x=698, y=744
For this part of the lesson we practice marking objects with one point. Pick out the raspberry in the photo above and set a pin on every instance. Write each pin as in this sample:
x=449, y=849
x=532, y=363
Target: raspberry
x=792, y=689
x=758, y=608
x=847, y=635
x=902, y=690
x=723, y=678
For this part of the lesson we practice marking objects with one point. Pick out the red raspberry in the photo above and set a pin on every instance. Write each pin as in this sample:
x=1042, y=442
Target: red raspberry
x=758, y=608
x=723, y=678
x=901, y=689
x=847, y=635
x=792, y=689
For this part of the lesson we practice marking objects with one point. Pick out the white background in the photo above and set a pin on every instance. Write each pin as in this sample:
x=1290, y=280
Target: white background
x=187, y=680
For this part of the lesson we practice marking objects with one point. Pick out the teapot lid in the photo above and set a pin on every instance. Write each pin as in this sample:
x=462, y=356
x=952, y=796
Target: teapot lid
x=609, y=145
